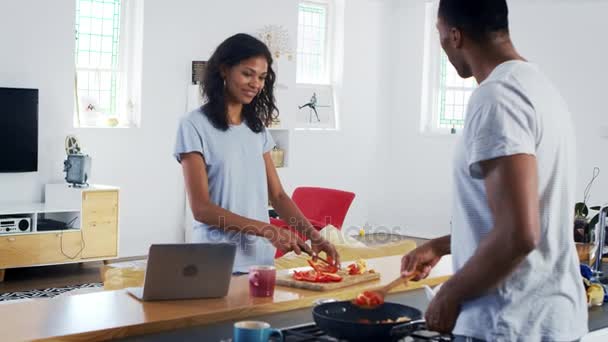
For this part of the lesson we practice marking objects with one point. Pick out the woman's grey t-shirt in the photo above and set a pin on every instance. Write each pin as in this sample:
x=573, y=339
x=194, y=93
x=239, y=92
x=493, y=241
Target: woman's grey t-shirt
x=237, y=181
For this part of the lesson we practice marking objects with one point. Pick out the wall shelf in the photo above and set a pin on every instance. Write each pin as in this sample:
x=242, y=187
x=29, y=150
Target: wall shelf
x=281, y=138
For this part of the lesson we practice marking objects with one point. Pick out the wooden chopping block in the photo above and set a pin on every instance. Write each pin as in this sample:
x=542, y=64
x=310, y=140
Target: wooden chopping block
x=286, y=279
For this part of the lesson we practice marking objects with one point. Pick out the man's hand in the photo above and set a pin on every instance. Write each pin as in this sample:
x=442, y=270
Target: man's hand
x=442, y=312
x=422, y=259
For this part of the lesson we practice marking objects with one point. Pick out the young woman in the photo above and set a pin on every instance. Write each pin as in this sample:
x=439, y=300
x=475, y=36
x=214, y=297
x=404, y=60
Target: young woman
x=223, y=148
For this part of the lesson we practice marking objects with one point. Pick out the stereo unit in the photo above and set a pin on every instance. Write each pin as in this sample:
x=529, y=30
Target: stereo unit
x=9, y=225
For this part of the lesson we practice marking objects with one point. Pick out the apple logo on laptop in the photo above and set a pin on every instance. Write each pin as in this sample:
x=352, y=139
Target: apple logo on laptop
x=190, y=271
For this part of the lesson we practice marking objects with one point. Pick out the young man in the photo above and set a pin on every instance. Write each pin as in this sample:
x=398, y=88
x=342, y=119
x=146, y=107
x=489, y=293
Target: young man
x=516, y=268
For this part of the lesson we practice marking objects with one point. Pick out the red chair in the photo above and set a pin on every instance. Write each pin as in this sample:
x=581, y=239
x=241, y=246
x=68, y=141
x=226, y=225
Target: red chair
x=320, y=206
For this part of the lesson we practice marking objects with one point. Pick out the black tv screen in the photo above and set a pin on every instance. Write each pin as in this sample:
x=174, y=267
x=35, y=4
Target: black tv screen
x=19, y=127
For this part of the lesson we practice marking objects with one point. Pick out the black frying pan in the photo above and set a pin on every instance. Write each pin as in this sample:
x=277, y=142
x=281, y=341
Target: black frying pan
x=342, y=320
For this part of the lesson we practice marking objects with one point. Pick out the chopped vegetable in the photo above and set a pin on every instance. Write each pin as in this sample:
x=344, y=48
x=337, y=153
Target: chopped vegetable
x=368, y=298
x=314, y=276
x=358, y=267
x=323, y=267
x=402, y=319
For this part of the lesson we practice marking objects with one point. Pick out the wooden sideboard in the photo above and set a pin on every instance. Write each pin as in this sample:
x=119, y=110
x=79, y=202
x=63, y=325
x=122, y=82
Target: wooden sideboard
x=91, y=215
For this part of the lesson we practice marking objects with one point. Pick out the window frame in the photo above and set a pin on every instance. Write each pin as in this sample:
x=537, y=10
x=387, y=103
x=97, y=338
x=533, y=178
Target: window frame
x=127, y=75
x=327, y=68
x=432, y=88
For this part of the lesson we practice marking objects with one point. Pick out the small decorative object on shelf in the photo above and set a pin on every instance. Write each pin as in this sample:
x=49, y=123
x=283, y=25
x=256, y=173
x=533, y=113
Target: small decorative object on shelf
x=198, y=71
x=278, y=156
x=77, y=166
x=275, y=123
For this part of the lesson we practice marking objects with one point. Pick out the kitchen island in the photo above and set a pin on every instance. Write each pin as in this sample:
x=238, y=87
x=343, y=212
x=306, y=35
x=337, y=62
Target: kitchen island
x=118, y=315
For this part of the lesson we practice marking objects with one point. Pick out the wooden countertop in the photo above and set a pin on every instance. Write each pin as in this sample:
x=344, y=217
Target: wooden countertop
x=114, y=314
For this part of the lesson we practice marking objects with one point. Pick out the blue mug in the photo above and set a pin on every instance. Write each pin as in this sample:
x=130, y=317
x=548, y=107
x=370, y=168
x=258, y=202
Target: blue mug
x=254, y=331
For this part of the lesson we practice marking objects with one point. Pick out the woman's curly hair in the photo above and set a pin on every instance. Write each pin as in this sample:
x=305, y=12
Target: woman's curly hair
x=262, y=110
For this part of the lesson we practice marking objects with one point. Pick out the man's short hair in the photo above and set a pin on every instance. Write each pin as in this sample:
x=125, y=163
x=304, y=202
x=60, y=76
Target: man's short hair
x=476, y=18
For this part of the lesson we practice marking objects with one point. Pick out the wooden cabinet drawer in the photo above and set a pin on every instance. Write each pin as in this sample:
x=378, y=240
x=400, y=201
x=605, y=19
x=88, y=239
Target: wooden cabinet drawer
x=100, y=208
x=99, y=198
x=101, y=239
x=39, y=249
x=99, y=204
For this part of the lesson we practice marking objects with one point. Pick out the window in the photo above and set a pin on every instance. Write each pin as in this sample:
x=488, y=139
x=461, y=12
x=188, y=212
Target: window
x=313, y=48
x=319, y=41
x=445, y=94
x=107, y=37
x=454, y=94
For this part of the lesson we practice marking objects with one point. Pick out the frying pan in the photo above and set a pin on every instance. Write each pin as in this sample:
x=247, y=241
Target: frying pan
x=342, y=320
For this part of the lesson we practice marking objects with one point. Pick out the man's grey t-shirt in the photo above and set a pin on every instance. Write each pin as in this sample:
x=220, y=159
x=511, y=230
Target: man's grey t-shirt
x=516, y=110
x=237, y=181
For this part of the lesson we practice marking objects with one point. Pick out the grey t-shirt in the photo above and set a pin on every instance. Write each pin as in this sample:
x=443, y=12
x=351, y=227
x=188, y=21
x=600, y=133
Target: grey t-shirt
x=516, y=110
x=237, y=181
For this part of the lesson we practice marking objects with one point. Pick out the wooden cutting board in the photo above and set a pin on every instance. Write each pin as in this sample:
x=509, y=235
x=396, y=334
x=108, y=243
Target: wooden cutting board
x=285, y=279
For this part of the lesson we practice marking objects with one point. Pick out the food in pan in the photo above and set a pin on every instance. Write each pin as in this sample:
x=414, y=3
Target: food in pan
x=402, y=319
x=368, y=299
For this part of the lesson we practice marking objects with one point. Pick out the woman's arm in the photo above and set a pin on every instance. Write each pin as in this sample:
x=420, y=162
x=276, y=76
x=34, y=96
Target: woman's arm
x=203, y=210
x=291, y=214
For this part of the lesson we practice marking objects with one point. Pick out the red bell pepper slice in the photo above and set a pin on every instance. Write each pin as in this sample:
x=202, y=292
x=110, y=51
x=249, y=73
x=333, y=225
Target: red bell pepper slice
x=353, y=269
x=323, y=267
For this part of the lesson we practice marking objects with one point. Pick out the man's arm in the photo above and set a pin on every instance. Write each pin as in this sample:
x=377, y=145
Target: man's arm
x=512, y=193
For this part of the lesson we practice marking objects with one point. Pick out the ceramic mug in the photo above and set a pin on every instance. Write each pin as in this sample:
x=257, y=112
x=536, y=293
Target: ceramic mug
x=262, y=280
x=254, y=331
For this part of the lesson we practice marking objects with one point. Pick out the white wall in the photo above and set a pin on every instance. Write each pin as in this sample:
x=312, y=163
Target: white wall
x=38, y=52
x=566, y=38
x=401, y=177
x=33, y=55
x=346, y=159
x=571, y=48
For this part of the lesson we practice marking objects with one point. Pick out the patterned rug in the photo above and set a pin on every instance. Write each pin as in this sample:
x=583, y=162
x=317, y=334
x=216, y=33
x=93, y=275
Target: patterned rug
x=45, y=293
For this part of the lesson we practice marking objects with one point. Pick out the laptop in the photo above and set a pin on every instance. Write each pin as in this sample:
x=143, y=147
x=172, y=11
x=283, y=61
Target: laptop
x=187, y=271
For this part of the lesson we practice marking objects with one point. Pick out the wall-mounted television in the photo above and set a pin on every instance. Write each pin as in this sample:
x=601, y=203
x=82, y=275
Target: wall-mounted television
x=18, y=130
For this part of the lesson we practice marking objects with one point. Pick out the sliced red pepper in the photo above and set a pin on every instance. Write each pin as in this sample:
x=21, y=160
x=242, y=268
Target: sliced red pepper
x=368, y=298
x=310, y=276
x=322, y=267
x=353, y=269
x=316, y=277
x=333, y=277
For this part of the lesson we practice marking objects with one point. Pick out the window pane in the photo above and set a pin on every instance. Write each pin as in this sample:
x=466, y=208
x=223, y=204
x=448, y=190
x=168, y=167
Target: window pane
x=97, y=31
x=311, y=43
x=454, y=94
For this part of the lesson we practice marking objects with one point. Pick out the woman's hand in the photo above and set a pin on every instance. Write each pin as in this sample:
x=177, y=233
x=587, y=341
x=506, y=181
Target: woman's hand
x=319, y=244
x=286, y=240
